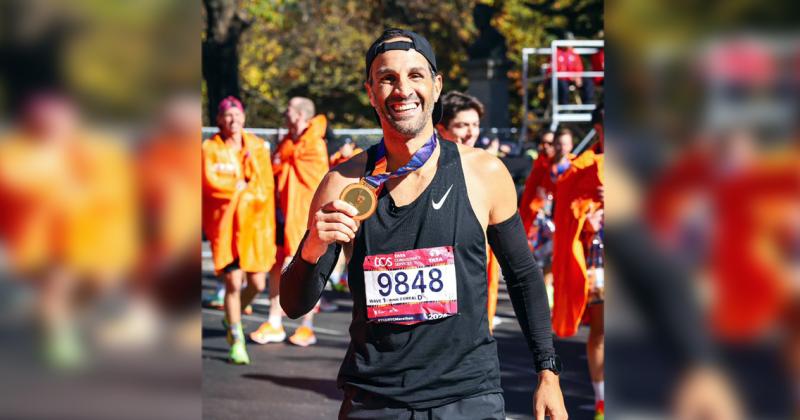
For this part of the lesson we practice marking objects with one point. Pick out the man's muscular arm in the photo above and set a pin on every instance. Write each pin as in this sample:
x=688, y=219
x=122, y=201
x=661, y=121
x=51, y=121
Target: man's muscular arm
x=523, y=276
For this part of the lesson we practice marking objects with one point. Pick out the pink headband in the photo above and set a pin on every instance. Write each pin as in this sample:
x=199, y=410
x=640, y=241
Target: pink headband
x=228, y=103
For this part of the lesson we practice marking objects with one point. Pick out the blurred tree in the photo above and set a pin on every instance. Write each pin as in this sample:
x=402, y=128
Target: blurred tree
x=316, y=48
x=225, y=23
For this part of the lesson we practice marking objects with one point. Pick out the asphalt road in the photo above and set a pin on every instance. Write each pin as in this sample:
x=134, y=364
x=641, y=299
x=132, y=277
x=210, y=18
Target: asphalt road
x=284, y=381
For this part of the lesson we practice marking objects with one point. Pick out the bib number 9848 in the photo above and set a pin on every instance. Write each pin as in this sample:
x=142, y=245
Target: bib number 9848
x=411, y=286
x=401, y=285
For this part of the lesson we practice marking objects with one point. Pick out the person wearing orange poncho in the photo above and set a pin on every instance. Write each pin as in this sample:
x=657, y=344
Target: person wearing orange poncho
x=538, y=185
x=347, y=150
x=537, y=197
x=751, y=289
x=461, y=123
x=238, y=214
x=68, y=217
x=170, y=181
x=299, y=164
x=578, y=210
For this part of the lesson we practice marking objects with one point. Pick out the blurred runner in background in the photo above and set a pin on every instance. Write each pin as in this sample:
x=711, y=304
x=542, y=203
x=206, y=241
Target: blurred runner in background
x=68, y=218
x=238, y=215
x=299, y=164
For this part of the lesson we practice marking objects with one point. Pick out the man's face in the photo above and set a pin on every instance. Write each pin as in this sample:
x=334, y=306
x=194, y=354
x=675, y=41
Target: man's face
x=464, y=128
x=293, y=116
x=232, y=121
x=403, y=91
x=548, y=148
x=564, y=144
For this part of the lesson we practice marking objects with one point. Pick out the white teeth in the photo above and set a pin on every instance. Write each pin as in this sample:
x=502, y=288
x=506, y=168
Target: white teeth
x=404, y=107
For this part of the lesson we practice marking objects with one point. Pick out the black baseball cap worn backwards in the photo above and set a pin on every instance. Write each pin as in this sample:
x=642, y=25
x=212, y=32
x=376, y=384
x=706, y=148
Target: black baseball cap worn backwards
x=418, y=43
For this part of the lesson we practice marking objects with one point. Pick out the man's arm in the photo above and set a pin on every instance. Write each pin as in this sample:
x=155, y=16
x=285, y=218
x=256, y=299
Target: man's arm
x=523, y=276
x=524, y=279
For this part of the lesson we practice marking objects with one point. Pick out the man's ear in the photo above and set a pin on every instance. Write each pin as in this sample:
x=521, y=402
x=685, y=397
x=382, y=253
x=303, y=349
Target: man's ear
x=369, y=93
x=437, y=86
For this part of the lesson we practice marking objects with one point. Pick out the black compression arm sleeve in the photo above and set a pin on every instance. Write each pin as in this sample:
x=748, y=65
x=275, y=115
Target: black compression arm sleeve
x=302, y=282
x=525, y=284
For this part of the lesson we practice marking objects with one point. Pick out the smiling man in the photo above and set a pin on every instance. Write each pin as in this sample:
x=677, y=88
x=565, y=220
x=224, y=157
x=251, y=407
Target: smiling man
x=461, y=118
x=416, y=248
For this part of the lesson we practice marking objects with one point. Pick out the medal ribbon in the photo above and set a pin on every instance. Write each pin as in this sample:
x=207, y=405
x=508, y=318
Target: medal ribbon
x=379, y=175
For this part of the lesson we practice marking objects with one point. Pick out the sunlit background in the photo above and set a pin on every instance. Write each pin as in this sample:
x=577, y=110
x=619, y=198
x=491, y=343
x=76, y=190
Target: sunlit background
x=99, y=222
x=703, y=208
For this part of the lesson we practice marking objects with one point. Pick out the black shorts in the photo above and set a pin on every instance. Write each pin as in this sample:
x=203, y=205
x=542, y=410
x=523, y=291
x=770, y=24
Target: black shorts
x=280, y=229
x=233, y=266
x=360, y=404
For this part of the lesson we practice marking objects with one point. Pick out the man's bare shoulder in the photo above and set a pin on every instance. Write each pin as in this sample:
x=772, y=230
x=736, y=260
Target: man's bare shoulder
x=346, y=173
x=481, y=164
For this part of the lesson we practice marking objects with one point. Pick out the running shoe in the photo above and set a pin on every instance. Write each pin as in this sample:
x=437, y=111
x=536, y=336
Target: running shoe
x=266, y=333
x=600, y=410
x=217, y=300
x=214, y=303
x=303, y=337
x=238, y=354
x=63, y=350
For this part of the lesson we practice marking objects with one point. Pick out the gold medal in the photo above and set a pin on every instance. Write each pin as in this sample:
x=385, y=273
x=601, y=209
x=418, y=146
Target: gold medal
x=361, y=196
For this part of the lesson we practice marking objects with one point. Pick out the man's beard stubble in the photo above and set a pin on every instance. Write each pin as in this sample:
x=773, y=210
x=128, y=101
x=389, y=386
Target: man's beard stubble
x=409, y=128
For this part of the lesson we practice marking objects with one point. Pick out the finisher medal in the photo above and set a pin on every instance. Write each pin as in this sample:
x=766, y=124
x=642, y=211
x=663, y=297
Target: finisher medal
x=363, y=195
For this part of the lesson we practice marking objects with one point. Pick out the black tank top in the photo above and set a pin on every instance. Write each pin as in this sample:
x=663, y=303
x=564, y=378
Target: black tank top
x=435, y=362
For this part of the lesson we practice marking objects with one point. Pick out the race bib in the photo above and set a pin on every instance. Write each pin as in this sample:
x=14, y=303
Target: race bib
x=408, y=287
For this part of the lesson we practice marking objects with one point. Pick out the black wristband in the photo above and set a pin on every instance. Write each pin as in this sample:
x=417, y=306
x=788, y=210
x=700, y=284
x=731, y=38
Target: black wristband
x=302, y=282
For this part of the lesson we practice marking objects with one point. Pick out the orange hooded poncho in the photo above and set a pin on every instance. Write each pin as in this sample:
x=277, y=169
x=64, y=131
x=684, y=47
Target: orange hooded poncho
x=576, y=194
x=72, y=206
x=750, y=282
x=239, y=223
x=299, y=167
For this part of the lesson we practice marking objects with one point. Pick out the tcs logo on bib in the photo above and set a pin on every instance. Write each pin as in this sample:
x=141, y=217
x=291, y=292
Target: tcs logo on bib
x=383, y=261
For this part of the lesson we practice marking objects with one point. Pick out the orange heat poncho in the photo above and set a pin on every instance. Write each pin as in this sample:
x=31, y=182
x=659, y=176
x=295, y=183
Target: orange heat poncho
x=239, y=223
x=540, y=177
x=530, y=203
x=299, y=167
x=72, y=206
x=576, y=195
x=170, y=183
x=337, y=158
x=750, y=285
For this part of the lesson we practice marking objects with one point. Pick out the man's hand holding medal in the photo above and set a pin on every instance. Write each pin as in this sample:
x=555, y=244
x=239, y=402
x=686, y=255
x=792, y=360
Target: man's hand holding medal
x=334, y=222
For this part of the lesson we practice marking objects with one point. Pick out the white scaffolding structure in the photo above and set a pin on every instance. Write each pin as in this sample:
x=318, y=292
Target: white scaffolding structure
x=560, y=112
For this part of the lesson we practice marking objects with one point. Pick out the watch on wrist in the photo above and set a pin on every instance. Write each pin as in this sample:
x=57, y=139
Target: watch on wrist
x=552, y=363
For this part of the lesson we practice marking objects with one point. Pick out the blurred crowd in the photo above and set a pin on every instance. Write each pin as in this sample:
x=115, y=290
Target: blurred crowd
x=703, y=234
x=86, y=218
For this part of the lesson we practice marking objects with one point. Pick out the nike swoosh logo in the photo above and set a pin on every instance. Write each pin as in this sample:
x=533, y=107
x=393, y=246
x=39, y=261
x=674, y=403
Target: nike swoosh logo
x=437, y=206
